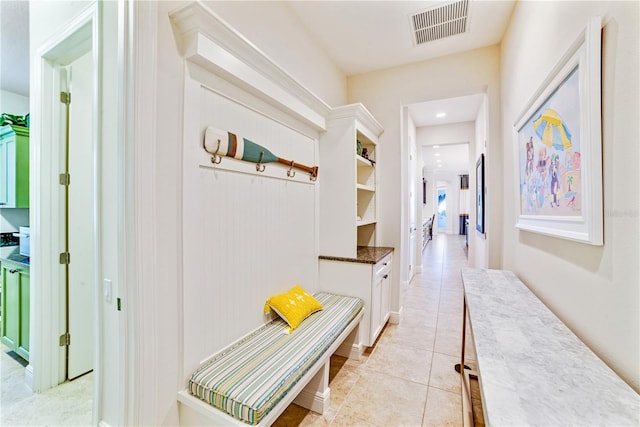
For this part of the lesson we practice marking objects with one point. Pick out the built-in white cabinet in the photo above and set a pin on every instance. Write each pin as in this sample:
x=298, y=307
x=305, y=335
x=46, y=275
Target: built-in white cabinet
x=348, y=200
x=368, y=278
x=350, y=262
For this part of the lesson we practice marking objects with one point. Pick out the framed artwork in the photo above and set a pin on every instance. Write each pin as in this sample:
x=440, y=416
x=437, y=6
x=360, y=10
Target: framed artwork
x=558, y=148
x=480, y=194
x=424, y=191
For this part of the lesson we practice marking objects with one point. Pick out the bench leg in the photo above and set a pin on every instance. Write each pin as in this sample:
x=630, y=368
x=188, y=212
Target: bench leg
x=315, y=395
x=351, y=347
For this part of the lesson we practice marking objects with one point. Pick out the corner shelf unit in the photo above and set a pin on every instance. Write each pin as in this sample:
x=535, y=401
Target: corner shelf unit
x=348, y=200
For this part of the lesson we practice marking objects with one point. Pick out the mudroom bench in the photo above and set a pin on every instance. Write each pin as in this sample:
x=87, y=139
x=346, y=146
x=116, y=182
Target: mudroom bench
x=531, y=369
x=252, y=381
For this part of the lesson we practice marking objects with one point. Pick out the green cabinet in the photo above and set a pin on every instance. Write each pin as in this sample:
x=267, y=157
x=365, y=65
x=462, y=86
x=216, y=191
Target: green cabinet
x=15, y=307
x=14, y=167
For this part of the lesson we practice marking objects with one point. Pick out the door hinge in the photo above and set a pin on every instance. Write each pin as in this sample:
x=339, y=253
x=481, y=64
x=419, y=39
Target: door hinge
x=65, y=258
x=65, y=179
x=65, y=339
x=65, y=97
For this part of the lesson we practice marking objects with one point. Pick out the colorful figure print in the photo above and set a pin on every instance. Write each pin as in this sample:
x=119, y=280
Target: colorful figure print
x=529, y=167
x=549, y=155
x=554, y=172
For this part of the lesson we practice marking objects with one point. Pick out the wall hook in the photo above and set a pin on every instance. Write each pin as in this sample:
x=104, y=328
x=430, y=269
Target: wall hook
x=291, y=173
x=260, y=167
x=216, y=159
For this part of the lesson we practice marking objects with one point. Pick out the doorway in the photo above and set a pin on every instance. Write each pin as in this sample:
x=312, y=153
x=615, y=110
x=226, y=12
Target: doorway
x=65, y=206
x=442, y=208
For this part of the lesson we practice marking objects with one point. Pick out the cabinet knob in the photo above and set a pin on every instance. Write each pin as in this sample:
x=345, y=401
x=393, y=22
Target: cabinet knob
x=385, y=263
x=13, y=271
x=385, y=276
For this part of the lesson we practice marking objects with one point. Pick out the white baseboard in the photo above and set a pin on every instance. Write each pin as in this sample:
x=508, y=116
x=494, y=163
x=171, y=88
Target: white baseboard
x=351, y=347
x=28, y=377
x=352, y=351
x=314, y=401
x=103, y=424
x=395, y=316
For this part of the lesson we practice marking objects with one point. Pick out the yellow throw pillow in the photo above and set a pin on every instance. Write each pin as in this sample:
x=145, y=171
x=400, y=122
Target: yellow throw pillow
x=293, y=306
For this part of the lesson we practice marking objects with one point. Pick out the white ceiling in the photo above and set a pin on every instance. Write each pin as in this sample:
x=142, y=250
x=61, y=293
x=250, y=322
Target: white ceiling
x=454, y=158
x=14, y=46
x=362, y=36
x=456, y=110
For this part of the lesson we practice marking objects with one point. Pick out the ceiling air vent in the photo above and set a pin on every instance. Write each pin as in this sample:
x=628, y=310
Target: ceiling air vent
x=440, y=22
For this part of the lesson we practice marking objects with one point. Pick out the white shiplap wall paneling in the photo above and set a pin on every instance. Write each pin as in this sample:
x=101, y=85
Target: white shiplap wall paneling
x=247, y=235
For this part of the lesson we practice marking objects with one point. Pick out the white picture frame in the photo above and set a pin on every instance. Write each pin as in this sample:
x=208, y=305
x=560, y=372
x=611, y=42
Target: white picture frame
x=558, y=148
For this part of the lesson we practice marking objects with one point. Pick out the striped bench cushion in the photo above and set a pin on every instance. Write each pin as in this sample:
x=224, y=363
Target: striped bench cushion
x=247, y=379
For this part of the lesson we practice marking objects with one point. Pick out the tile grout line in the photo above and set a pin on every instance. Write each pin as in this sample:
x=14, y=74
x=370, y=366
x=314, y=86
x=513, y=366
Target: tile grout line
x=444, y=256
x=424, y=409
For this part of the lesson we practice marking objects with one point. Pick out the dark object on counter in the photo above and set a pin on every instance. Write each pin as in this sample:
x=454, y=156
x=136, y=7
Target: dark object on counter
x=8, y=239
x=365, y=154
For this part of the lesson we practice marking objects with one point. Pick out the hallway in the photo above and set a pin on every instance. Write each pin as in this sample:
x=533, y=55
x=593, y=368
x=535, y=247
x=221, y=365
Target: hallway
x=407, y=378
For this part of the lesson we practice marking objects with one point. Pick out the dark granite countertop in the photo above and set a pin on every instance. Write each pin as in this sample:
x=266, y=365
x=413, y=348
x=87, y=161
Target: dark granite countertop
x=12, y=253
x=365, y=255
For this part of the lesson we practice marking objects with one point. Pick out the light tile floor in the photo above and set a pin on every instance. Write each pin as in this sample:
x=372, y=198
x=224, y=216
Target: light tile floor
x=70, y=404
x=407, y=378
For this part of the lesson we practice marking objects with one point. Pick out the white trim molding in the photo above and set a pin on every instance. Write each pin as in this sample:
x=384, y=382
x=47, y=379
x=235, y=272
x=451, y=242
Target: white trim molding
x=206, y=40
x=69, y=42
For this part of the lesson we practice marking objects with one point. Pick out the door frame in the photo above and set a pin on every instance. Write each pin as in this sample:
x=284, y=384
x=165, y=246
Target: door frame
x=74, y=39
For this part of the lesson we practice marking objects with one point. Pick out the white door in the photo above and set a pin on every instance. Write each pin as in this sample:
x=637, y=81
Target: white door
x=81, y=218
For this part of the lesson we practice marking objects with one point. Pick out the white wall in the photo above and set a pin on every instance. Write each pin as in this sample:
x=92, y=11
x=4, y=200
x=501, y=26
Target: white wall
x=430, y=207
x=12, y=219
x=13, y=103
x=454, y=133
x=478, y=250
x=593, y=289
x=415, y=197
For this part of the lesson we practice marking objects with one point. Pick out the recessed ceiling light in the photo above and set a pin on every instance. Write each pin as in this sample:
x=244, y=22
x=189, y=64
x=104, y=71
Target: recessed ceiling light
x=438, y=160
x=439, y=166
x=436, y=154
x=441, y=115
x=436, y=146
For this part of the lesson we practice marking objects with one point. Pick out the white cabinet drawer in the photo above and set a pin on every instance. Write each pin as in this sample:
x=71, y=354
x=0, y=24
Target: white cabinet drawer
x=382, y=267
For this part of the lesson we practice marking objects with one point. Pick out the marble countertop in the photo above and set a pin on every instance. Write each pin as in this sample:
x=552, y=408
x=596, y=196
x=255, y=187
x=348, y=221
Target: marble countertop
x=12, y=253
x=532, y=369
x=364, y=254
